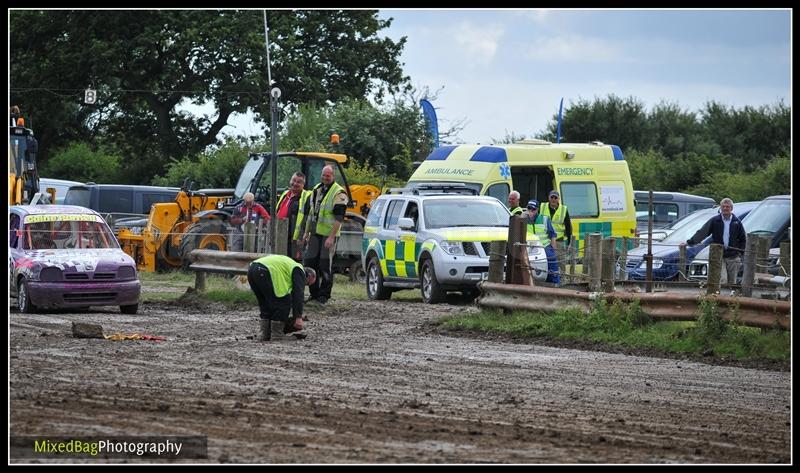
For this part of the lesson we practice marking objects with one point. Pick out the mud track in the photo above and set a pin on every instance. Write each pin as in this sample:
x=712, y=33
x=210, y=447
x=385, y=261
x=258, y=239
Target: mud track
x=374, y=383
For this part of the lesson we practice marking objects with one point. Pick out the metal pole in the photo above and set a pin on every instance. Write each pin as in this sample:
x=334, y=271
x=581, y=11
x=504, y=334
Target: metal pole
x=649, y=255
x=274, y=94
x=273, y=131
x=266, y=41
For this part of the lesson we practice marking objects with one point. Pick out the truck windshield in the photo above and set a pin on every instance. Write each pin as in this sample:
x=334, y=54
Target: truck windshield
x=442, y=213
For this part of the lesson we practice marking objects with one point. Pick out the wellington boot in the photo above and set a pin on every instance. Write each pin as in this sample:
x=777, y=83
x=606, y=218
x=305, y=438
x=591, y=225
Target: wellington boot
x=266, y=331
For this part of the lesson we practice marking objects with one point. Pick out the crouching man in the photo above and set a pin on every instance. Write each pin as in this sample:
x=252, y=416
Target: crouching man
x=279, y=283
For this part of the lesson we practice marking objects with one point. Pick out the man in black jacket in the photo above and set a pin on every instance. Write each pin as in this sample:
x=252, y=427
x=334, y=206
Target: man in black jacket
x=727, y=230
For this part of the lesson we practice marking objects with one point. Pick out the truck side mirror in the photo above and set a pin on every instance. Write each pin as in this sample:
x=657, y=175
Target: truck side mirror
x=406, y=223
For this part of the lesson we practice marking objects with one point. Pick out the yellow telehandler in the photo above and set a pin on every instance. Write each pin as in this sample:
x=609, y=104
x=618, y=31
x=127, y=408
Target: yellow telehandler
x=201, y=219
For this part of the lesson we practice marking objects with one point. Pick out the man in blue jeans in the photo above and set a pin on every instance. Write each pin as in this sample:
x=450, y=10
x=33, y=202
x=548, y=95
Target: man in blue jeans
x=541, y=226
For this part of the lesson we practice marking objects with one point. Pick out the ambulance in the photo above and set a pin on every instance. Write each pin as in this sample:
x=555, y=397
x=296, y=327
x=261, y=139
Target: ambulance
x=592, y=178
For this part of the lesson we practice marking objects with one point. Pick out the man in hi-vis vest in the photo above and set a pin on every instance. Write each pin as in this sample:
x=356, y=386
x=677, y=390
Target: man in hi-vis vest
x=279, y=284
x=541, y=226
x=513, y=204
x=559, y=216
x=328, y=207
x=293, y=206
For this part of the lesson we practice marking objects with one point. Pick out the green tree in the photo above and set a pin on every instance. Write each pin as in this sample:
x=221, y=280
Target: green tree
x=388, y=137
x=146, y=65
x=774, y=179
x=217, y=168
x=612, y=120
x=749, y=137
x=80, y=162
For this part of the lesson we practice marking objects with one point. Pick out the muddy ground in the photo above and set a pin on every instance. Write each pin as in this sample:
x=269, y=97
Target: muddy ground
x=374, y=382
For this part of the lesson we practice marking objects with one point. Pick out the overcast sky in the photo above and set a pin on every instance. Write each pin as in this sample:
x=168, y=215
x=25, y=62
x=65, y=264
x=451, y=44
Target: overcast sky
x=506, y=70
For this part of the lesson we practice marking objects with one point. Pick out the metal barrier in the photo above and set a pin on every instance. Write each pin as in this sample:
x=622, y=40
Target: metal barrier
x=219, y=262
x=664, y=306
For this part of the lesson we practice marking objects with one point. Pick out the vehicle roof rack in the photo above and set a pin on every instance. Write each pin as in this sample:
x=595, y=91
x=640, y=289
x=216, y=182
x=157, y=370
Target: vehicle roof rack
x=435, y=188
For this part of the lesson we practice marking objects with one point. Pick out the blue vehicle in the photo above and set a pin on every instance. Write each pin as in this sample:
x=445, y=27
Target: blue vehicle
x=666, y=252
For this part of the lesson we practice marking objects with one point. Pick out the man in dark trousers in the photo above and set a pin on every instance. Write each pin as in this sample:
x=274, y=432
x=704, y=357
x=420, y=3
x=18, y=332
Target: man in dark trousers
x=279, y=283
x=293, y=205
x=323, y=227
x=727, y=230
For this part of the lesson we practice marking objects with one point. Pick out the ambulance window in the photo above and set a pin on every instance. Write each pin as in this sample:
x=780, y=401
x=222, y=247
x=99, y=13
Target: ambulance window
x=393, y=214
x=581, y=199
x=499, y=191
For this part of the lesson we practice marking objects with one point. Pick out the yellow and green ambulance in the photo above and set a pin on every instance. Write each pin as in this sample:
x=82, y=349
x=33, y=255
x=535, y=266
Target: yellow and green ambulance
x=592, y=178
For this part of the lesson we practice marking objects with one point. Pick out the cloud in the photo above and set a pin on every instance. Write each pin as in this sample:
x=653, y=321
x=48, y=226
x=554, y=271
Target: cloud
x=540, y=17
x=575, y=49
x=480, y=42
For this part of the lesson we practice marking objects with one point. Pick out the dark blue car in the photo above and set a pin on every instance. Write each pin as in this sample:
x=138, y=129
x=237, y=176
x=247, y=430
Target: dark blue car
x=666, y=252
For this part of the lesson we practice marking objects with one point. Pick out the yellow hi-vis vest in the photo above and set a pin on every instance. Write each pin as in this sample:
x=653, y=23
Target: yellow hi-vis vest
x=557, y=219
x=304, y=195
x=516, y=211
x=325, y=218
x=280, y=271
x=539, y=228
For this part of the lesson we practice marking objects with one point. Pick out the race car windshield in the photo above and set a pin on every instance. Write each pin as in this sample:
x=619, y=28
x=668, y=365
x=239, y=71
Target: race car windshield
x=58, y=235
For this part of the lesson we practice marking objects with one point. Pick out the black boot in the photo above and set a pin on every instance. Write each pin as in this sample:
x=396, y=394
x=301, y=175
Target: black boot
x=266, y=330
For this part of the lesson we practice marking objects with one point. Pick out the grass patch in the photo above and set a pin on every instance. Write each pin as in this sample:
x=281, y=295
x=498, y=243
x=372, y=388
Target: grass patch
x=343, y=288
x=220, y=288
x=621, y=325
x=167, y=277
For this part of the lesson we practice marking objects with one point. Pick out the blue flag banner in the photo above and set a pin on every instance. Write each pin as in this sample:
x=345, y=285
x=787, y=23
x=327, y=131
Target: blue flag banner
x=558, y=129
x=430, y=114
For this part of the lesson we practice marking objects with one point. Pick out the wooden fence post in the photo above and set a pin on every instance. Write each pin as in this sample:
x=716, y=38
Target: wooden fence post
x=249, y=237
x=749, y=269
x=595, y=262
x=714, y=268
x=608, y=263
x=200, y=281
x=497, y=258
x=786, y=259
x=762, y=253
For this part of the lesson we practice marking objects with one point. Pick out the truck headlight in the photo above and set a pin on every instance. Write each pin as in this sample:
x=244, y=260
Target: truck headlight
x=452, y=247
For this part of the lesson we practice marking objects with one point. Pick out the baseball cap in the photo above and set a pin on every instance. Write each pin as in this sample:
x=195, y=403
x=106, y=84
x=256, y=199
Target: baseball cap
x=533, y=203
x=553, y=193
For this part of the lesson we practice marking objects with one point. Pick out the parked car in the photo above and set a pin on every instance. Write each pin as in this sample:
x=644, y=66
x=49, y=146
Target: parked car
x=436, y=242
x=772, y=217
x=61, y=187
x=666, y=254
x=66, y=256
x=667, y=208
x=116, y=201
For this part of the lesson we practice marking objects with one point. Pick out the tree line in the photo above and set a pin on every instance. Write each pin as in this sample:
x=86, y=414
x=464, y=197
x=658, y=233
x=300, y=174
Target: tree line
x=718, y=151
